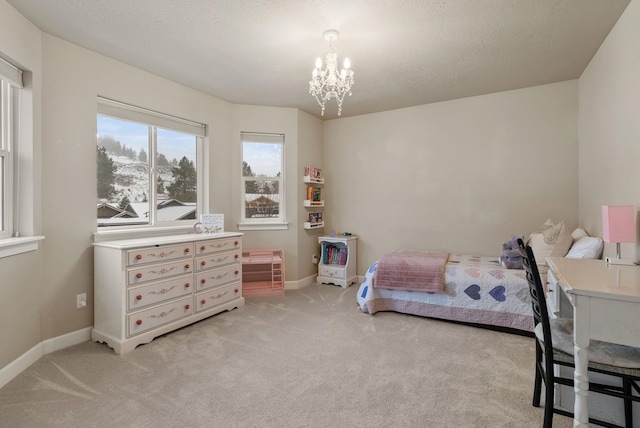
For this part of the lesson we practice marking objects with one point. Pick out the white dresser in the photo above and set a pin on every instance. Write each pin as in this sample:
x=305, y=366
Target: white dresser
x=144, y=288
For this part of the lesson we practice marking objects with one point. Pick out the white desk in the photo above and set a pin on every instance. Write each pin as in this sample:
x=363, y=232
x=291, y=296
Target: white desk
x=606, y=306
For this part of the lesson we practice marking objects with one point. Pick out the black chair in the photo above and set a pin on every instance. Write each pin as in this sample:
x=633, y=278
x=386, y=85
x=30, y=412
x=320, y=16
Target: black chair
x=554, y=345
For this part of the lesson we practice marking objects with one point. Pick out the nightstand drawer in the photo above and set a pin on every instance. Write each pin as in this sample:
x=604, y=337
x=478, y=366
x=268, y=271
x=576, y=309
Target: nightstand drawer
x=332, y=271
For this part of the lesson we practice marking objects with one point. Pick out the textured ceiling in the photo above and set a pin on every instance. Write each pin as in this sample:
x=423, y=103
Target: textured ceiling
x=403, y=52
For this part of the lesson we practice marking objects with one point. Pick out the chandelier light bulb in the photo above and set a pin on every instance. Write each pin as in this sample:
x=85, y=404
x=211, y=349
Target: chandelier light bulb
x=318, y=63
x=347, y=63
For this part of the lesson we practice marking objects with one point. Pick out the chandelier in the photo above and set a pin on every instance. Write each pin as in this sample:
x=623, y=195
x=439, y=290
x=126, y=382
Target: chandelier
x=331, y=83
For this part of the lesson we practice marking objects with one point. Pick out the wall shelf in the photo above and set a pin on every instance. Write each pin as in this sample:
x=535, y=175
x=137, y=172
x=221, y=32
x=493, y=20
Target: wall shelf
x=308, y=225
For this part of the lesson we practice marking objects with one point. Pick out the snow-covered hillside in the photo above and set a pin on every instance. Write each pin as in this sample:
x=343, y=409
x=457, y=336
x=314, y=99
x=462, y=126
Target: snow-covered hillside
x=132, y=179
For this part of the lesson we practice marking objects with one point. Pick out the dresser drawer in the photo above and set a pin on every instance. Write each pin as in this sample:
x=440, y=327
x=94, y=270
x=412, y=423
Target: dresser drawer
x=148, y=319
x=217, y=245
x=218, y=277
x=160, y=253
x=156, y=272
x=218, y=296
x=331, y=271
x=158, y=292
x=217, y=260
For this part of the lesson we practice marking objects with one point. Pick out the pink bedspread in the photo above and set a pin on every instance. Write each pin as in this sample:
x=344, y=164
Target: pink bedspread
x=411, y=271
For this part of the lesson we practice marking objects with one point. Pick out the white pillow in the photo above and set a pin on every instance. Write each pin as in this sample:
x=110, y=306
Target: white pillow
x=579, y=233
x=587, y=247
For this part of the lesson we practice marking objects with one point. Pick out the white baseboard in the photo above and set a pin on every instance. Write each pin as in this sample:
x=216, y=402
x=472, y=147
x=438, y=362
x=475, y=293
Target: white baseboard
x=301, y=283
x=310, y=280
x=20, y=364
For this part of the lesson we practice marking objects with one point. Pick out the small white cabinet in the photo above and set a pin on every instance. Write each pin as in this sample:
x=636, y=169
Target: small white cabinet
x=337, y=260
x=144, y=288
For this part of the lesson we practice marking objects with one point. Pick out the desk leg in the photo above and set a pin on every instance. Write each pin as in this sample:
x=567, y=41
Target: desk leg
x=581, y=336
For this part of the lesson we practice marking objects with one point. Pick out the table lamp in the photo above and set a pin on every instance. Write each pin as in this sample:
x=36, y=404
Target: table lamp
x=618, y=225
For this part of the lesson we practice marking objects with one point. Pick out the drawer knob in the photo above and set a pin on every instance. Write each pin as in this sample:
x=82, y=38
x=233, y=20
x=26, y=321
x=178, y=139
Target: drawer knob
x=187, y=285
x=139, y=322
x=138, y=275
x=139, y=297
x=186, y=266
x=139, y=257
x=236, y=290
x=236, y=256
x=202, y=263
x=202, y=281
x=202, y=248
x=186, y=250
x=236, y=272
x=235, y=243
x=203, y=301
x=187, y=306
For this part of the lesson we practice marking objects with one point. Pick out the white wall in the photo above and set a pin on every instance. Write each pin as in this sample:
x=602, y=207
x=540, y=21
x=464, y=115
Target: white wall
x=459, y=176
x=609, y=126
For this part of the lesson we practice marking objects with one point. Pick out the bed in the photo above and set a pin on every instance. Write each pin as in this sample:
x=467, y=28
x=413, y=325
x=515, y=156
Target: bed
x=478, y=289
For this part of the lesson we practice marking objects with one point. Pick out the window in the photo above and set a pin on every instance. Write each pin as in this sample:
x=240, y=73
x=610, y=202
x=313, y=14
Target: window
x=262, y=180
x=149, y=165
x=10, y=84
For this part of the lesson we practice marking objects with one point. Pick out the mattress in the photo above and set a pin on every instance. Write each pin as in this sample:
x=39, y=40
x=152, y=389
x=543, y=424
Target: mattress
x=477, y=290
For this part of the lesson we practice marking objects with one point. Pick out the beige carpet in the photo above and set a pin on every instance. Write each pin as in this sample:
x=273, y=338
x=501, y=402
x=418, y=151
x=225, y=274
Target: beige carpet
x=306, y=359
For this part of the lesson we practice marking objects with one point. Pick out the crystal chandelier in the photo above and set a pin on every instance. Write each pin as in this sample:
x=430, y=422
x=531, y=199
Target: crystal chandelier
x=331, y=83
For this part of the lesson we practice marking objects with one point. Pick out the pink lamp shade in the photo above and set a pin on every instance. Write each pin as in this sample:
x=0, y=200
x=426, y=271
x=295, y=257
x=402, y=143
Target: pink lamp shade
x=618, y=223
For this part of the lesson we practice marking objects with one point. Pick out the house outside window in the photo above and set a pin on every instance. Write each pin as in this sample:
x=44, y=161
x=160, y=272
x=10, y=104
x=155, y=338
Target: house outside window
x=10, y=84
x=262, y=181
x=149, y=165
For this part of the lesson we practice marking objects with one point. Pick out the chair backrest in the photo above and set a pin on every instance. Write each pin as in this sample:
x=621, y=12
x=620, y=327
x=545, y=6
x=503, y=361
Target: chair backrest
x=537, y=294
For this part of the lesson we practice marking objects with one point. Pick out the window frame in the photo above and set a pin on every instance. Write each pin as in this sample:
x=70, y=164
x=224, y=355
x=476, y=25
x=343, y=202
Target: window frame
x=17, y=146
x=271, y=223
x=154, y=121
x=9, y=126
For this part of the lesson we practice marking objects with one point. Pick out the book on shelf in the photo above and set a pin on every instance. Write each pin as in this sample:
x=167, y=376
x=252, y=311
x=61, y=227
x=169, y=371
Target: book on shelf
x=334, y=255
x=314, y=194
x=313, y=172
x=314, y=218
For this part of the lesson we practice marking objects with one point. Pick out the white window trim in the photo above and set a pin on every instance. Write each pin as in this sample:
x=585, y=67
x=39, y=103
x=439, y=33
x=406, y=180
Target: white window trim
x=122, y=111
x=22, y=188
x=263, y=226
x=13, y=246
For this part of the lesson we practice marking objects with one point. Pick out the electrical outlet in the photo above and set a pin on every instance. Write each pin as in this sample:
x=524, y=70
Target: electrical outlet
x=81, y=300
x=315, y=259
